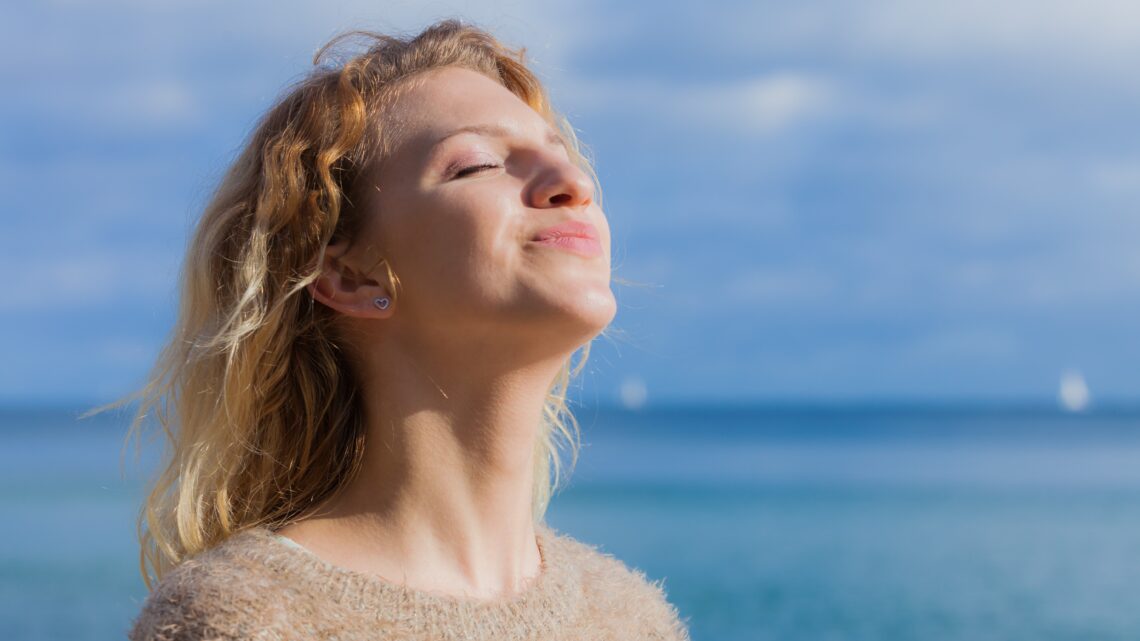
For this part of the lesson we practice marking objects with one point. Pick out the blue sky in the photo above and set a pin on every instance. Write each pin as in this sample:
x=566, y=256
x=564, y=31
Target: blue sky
x=844, y=201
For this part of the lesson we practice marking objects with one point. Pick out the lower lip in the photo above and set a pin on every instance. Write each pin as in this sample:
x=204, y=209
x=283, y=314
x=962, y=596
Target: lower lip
x=587, y=247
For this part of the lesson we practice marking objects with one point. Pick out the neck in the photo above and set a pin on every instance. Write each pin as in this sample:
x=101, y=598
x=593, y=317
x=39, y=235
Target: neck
x=444, y=493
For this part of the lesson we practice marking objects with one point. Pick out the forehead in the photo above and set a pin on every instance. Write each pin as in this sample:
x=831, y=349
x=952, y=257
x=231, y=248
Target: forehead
x=441, y=101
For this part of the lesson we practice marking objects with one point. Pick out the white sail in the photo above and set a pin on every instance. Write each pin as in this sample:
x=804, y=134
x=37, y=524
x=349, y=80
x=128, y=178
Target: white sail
x=1074, y=392
x=633, y=393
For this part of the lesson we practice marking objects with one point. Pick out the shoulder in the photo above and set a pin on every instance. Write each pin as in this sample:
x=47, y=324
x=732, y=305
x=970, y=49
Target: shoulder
x=624, y=594
x=222, y=593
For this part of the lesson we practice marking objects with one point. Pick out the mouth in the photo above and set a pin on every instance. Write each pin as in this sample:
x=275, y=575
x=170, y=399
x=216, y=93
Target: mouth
x=573, y=236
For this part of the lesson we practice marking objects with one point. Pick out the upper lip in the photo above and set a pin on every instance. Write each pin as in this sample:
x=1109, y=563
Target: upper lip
x=572, y=228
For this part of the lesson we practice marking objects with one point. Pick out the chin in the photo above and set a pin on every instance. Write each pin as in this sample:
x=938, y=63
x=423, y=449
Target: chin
x=592, y=312
x=578, y=318
x=601, y=307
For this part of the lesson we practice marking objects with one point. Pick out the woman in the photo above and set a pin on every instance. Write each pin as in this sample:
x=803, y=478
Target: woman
x=365, y=392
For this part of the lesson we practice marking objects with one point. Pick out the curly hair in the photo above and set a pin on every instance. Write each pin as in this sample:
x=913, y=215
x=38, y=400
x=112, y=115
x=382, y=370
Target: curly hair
x=259, y=407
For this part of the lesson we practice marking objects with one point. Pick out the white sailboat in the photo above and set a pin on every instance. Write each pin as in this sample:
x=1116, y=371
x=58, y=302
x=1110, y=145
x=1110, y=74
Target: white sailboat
x=633, y=393
x=1074, y=392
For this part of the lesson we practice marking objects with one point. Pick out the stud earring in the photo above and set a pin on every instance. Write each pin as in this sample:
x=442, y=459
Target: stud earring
x=383, y=302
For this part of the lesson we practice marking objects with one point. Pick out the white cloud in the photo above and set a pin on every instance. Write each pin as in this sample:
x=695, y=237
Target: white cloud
x=1116, y=177
x=176, y=31
x=763, y=105
x=158, y=101
x=1094, y=31
x=136, y=105
x=69, y=281
x=1098, y=36
x=163, y=67
x=767, y=104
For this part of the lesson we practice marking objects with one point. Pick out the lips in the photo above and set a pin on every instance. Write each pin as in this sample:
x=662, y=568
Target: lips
x=574, y=236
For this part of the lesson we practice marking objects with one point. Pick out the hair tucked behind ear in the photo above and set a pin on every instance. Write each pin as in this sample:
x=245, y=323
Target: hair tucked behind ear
x=260, y=409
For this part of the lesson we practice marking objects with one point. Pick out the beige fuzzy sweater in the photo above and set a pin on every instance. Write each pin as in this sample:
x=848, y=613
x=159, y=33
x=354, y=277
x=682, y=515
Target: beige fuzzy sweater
x=257, y=585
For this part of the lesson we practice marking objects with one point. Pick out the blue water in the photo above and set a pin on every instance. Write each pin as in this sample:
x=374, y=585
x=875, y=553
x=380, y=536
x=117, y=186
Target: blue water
x=764, y=523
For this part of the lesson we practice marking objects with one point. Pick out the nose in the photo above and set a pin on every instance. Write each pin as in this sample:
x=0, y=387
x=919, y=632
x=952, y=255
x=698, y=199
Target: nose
x=562, y=184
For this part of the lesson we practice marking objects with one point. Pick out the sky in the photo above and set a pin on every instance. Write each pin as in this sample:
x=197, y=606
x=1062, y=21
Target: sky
x=838, y=201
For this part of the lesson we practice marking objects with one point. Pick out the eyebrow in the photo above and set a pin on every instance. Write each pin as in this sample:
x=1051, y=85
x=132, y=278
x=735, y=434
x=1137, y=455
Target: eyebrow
x=497, y=131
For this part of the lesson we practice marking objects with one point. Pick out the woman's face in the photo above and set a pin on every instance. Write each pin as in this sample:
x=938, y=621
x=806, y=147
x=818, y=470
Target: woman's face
x=484, y=219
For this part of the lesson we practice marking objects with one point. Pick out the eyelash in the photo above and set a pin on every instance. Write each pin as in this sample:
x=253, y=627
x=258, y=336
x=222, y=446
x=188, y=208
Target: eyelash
x=469, y=170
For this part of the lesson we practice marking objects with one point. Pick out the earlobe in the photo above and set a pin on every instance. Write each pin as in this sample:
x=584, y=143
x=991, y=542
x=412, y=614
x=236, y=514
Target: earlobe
x=342, y=288
x=357, y=302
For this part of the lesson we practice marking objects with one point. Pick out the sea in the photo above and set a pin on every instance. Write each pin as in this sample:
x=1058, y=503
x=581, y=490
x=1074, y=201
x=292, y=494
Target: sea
x=770, y=522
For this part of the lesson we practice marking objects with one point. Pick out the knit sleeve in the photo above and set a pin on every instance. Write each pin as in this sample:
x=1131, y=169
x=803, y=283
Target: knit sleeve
x=206, y=603
x=658, y=618
x=664, y=616
x=173, y=612
x=629, y=605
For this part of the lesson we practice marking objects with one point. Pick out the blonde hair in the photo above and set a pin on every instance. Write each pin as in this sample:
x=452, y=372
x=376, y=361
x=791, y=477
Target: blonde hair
x=259, y=407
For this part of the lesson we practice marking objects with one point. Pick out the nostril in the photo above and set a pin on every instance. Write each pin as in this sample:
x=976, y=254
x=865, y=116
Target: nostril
x=559, y=199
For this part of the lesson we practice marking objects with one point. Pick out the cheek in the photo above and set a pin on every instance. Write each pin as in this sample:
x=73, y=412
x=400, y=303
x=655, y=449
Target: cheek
x=458, y=247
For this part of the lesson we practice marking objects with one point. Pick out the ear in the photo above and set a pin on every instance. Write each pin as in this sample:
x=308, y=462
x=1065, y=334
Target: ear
x=342, y=286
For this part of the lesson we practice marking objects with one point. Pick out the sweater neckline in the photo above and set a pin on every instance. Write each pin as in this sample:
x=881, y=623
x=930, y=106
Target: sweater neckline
x=555, y=589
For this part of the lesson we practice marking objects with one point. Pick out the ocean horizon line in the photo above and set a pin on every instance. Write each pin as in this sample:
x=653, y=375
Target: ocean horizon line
x=11, y=408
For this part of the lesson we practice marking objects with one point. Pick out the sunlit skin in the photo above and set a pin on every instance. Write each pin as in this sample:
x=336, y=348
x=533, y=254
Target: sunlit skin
x=454, y=373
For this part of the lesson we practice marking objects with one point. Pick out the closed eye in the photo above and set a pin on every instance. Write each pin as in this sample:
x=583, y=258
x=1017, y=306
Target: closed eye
x=467, y=171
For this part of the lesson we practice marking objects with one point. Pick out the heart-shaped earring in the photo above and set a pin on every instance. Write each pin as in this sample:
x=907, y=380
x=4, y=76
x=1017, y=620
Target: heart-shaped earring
x=383, y=302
